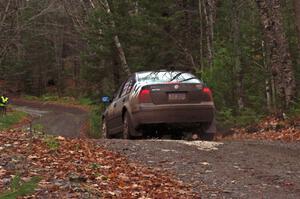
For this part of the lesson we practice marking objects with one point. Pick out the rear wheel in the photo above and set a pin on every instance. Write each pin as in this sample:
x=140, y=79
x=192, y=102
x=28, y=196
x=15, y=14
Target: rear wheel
x=104, y=134
x=127, y=127
x=208, y=131
x=207, y=136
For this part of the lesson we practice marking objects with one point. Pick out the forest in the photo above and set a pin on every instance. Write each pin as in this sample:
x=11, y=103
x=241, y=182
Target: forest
x=247, y=51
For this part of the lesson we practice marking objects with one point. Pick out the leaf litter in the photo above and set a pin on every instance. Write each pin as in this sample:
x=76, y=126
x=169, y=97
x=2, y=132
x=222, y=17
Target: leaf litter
x=271, y=128
x=79, y=168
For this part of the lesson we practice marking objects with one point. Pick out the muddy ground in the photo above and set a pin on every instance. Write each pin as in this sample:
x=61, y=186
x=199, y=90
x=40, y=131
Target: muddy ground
x=224, y=169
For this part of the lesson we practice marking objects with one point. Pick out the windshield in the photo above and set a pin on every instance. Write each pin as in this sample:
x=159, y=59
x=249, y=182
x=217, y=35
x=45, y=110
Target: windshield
x=167, y=76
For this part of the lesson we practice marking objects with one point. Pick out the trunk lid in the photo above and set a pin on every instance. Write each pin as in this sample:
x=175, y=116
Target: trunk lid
x=178, y=93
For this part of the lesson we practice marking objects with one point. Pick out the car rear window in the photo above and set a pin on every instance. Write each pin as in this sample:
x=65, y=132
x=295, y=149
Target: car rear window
x=167, y=76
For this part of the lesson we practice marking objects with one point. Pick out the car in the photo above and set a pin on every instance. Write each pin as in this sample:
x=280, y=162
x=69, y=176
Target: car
x=151, y=100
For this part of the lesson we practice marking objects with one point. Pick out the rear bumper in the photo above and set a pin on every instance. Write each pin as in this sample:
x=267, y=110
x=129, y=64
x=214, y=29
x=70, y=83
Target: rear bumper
x=173, y=114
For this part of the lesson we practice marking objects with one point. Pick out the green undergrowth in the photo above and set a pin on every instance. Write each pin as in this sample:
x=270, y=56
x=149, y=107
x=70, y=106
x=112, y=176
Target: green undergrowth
x=96, y=121
x=38, y=128
x=84, y=101
x=10, y=119
x=227, y=118
x=51, y=142
x=295, y=110
x=19, y=188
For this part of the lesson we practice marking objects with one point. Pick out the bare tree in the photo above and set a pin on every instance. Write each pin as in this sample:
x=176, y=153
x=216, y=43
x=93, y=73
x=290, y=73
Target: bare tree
x=85, y=7
x=10, y=24
x=297, y=14
x=118, y=44
x=276, y=41
x=200, y=7
x=209, y=10
x=237, y=53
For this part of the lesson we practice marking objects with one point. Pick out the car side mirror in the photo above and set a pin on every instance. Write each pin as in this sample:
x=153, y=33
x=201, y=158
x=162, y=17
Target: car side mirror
x=106, y=99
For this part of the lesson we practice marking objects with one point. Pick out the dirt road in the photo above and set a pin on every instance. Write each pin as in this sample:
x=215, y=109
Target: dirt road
x=53, y=118
x=229, y=169
x=249, y=169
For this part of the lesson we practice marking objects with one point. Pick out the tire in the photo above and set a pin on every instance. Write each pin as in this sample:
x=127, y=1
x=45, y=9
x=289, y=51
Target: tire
x=104, y=134
x=207, y=136
x=208, y=131
x=127, y=126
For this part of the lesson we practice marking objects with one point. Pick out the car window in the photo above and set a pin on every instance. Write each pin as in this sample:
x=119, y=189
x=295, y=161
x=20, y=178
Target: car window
x=127, y=87
x=167, y=76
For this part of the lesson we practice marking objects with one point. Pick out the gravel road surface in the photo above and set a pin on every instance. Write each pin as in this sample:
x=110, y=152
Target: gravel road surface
x=245, y=169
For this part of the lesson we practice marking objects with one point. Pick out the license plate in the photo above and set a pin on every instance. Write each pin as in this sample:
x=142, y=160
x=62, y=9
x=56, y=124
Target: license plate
x=176, y=96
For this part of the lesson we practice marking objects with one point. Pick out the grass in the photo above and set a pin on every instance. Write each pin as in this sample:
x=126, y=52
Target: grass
x=95, y=166
x=95, y=122
x=29, y=97
x=39, y=128
x=11, y=119
x=294, y=112
x=84, y=101
x=18, y=188
x=51, y=142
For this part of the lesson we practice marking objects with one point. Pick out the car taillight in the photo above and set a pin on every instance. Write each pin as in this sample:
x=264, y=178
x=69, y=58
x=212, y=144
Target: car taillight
x=144, y=96
x=207, y=91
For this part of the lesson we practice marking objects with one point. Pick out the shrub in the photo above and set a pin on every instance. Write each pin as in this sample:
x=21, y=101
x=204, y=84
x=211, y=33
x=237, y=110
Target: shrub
x=11, y=119
x=51, y=142
x=19, y=188
x=96, y=121
x=226, y=117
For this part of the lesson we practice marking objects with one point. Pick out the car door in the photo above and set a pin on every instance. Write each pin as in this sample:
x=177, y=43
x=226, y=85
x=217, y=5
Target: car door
x=110, y=114
x=123, y=98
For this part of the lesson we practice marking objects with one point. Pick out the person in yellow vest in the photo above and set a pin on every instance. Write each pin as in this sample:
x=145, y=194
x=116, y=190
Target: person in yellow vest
x=3, y=104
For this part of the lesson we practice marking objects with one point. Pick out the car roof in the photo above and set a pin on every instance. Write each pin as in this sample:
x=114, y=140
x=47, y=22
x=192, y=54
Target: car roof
x=168, y=71
x=159, y=70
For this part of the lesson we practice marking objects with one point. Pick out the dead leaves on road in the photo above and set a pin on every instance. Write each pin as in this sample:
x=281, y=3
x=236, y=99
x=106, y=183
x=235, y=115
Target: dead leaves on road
x=80, y=169
x=270, y=129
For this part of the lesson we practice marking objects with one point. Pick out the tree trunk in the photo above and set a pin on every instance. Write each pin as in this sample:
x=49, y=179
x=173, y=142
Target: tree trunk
x=121, y=55
x=117, y=42
x=201, y=35
x=209, y=11
x=237, y=55
x=274, y=93
x=19, y=45
x=280, y=58
x=268, y=95
x=297, y=15
x=268, y=87
x=118, y=45
x=209, y=33
x=185, y=43
x=58, y=42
